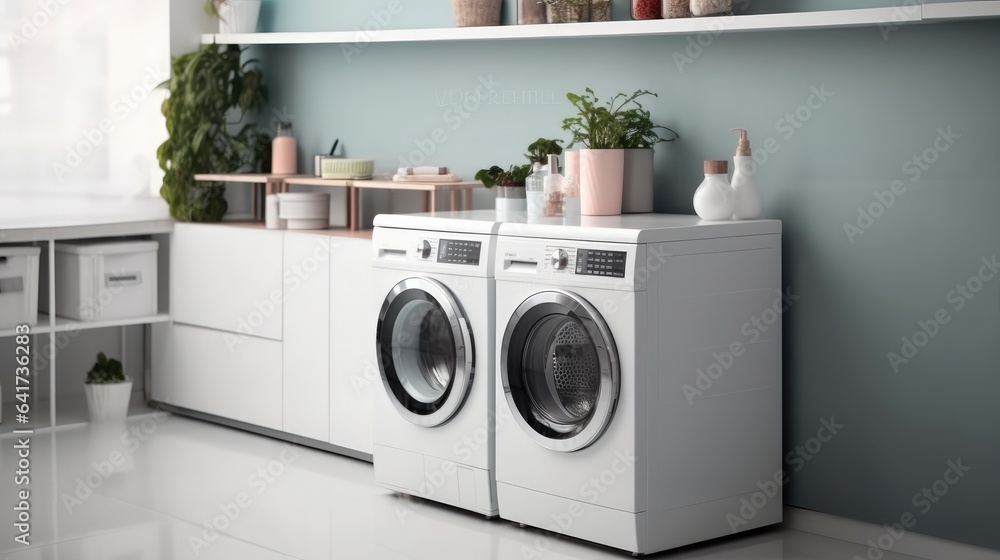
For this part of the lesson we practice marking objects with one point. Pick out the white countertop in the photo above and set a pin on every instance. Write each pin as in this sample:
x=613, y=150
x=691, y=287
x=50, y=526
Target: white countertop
x=25, y=218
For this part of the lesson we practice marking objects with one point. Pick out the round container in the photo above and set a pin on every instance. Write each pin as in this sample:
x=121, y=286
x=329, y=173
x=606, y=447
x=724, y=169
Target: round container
x=304, y=210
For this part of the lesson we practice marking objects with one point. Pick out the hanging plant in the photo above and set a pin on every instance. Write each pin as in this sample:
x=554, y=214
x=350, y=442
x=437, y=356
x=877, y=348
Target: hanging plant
x=209, y=94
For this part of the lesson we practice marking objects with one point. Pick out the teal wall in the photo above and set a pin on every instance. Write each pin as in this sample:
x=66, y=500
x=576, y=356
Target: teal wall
x=890, y=99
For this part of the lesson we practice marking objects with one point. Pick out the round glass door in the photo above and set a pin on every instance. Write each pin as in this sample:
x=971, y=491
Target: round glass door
x=560, y=372
x=425, y=352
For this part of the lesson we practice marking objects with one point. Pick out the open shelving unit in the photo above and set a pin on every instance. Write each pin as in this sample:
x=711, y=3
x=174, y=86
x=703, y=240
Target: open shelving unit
x=865, y=17
x=460, y=193
x=49, y=410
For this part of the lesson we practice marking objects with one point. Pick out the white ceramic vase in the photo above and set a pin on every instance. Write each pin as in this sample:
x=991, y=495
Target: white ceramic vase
x=238, y=16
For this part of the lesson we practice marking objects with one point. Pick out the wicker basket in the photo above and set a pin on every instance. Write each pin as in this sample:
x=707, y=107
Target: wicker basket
x=575, y=11
x=475, y=13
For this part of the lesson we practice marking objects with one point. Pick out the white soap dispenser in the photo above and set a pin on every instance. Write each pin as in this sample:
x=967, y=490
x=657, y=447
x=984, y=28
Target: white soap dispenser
x=747, y=193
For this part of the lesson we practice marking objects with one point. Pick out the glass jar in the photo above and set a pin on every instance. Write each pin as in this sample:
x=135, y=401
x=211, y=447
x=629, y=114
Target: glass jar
x=534, y=185
x=672, y=9
x=647, y=9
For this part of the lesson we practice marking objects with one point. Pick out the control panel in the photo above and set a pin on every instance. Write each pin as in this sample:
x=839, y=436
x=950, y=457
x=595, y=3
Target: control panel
x=452, y=251
x=600, y=263
x=586, y=262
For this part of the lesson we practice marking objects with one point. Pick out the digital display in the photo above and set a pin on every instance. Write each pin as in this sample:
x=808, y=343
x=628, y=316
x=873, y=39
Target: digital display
x=600, y=263
x=457, y=251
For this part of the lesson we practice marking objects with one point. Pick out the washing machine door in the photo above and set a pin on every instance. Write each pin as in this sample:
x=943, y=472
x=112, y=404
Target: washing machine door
x=560, y=370
x=425, y=351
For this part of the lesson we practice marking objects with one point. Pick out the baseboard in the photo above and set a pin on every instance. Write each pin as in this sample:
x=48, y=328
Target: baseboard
x=861, y=532
x=291, y=438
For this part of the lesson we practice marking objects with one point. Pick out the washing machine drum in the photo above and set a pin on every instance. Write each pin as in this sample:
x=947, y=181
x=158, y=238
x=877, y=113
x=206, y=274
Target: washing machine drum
x=560, y=370
x=425, y=351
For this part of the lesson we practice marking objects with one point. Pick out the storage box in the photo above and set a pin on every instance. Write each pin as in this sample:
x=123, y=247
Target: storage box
x=98, y=281
x=18, y=286
x=304, y=210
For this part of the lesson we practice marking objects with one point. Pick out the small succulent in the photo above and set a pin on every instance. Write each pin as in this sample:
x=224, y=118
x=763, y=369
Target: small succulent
x=105, y=371
x=514, y=176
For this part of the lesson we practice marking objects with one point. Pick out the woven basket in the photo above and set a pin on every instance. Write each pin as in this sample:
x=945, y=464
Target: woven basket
x=575, y=11
x=475, y=13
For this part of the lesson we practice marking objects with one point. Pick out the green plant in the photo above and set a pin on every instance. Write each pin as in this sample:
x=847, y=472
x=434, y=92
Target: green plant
x=212, y=7
x=498, y=176
x=105, y=371
x=539, y=150
x=205, y=88
x=620, y=123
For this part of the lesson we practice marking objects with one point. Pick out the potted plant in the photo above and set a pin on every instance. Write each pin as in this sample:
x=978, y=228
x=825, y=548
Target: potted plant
x=539, y=150
x=511, y=195
x=602, y=161
x=108, y=390
x=606, y=130
x=640, y=137
x=235, y=16
x=205, y=88
x=475, y=13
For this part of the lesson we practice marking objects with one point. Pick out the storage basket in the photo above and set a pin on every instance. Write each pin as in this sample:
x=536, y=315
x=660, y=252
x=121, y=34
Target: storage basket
x=475, y=13
x=98, y=281
x=18, y=286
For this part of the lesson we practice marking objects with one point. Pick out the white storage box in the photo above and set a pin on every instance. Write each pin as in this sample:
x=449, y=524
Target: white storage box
x=98, y=281
x=305, y=210
x=18, y=286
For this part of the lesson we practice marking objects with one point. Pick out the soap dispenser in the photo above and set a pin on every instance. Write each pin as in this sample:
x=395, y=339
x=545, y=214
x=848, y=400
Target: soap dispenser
x=747, y=193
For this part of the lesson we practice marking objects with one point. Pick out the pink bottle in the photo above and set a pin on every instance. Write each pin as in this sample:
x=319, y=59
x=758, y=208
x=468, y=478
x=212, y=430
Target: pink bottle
x=283, y=151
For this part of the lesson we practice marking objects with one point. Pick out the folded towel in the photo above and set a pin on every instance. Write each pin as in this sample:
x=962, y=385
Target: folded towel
x=425, y=170
x=449, y=178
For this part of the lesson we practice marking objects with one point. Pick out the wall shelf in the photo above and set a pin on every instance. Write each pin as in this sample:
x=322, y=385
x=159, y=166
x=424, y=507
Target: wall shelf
x=866, y=17
x=280, y=183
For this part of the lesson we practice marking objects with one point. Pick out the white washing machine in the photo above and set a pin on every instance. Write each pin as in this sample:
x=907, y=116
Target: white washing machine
x=433, y=425
x=605, y=431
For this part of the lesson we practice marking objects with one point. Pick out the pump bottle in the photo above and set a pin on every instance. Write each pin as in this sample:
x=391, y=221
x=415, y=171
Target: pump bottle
x=747, y=193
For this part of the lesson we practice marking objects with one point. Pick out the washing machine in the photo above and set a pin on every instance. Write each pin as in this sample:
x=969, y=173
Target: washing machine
x=433, y=425
x=639, y=378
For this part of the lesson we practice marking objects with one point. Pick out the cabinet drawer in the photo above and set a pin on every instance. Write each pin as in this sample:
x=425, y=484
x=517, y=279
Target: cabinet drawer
x=220, y=373
x=227, y=278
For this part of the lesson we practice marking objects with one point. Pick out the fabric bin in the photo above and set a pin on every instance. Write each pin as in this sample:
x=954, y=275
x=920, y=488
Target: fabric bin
x=98, y=281
x=18, y=286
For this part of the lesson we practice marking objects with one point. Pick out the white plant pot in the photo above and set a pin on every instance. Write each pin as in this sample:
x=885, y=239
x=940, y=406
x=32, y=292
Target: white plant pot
x=239, y=16
x=108, y=402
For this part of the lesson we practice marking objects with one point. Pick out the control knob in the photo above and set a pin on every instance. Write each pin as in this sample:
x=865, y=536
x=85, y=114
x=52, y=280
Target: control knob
x=424, y=249
x=560, y=259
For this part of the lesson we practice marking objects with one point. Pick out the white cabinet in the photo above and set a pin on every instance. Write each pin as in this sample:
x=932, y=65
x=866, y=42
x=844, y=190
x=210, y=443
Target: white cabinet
x=217, y=372
x=354, y=372
x=227, y=277
x=306, y=334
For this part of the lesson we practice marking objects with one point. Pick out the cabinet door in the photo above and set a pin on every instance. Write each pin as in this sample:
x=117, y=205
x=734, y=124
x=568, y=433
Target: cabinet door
x=228, y=278
x=216, y=372
x=353, y=369
x=306, y=333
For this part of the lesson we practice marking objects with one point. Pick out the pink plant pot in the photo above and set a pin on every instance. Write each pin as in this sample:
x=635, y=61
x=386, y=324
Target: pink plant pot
x=601, y=176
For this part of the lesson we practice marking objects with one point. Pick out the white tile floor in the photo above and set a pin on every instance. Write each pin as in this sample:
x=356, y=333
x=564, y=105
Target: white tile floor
x=175, y=475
